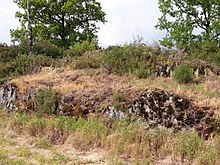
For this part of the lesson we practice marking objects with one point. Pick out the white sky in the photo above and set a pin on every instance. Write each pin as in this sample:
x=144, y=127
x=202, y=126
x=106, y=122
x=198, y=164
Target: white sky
x=126, y=19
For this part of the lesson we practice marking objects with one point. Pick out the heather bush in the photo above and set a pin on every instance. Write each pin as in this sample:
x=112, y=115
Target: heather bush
x=48, y=49
x=183, y=74
x=129, y=59
x=80, y=48
x=45, y=101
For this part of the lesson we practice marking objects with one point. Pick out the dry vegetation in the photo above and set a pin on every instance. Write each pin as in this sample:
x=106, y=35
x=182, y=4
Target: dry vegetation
x=31, y=139
x=204, y=92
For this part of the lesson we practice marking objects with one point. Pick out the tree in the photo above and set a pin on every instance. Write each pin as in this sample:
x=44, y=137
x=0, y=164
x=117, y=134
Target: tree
x=64, y=22
x=189, y=21
x=29, y=26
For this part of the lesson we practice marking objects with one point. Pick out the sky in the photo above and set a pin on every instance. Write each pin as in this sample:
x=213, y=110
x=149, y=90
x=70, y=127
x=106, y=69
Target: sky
x=126, y=19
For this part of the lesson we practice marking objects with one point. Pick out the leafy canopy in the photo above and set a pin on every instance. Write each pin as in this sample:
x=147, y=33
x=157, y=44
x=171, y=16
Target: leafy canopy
x=189, y=21
x=63, y=22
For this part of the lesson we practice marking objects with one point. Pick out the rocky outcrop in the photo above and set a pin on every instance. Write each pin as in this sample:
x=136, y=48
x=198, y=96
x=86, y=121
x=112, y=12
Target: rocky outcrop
x=199, y=68
x=8, y=96
x=172, y=111
x=156, y=107
x=164, y=70
x=160, y=108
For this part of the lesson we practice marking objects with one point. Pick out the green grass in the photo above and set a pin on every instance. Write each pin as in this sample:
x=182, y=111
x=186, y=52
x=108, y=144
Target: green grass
x=43, y=143
x=5, y=159
x=121, y=138
x=23, y=152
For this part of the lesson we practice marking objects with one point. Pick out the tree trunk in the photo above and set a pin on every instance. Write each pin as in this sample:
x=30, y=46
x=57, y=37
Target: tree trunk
x=87, y=20
x=30, y=42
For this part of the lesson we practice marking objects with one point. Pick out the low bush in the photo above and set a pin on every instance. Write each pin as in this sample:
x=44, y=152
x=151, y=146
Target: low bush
x=81, y=48
x=9, y=53
x=183, y=74
x=129, y=59
x=88, y=61
x=48, y=49
x=45, y=101
x=25, y=64
x=206, y=51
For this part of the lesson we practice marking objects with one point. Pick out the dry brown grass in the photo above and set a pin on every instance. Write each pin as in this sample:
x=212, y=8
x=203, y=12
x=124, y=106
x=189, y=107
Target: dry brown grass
x=65, y=80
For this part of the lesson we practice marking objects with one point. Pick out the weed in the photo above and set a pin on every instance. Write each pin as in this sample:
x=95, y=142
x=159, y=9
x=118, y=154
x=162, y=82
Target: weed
x=59, y=158
x=188, y=144
x=118, y=98
x=5, y=159
x=23, y=152
x=43, y=143
x=45, y=101
x=207, y=156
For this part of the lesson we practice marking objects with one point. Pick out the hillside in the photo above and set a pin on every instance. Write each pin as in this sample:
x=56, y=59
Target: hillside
x=94, y=133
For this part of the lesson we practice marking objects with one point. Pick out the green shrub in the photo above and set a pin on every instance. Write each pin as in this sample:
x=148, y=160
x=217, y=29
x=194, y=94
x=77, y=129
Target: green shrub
x=9, y=53
x=45, y=101
x=206, y=51
x=24, y=64
x=48, y=49
x=183, y=74
x=118, y=98
x=88, y=61
x=131, y=59
x=81, y=48
x=5, y=69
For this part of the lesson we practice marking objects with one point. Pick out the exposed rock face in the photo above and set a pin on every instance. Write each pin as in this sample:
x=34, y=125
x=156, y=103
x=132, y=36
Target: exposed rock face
x=172, y=111
x=164, y=70
x=156, y=107
x=81, y=103
x=160, y=108
x=199, y=68
x=8, y=95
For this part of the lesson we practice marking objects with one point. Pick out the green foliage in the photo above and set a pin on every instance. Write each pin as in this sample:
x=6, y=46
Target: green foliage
x=206, y=51
x=129, y=59
x=183, y=74
x=45, y=101
x=80, y=48
x=118, y=137
x=48, y=49
x=62, y=22
x=13, y=62
x=86, y=62
x=207, y=156
x=24, y=64
x=188, y=144
x=43, y=144
x=8, y=53
x=183, y=19
x=118, y=98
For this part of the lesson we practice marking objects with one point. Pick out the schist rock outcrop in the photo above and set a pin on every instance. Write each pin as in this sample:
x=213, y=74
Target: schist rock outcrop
x=199, y=68
x=8, y=97
x=156, y=107
x=160, y=108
